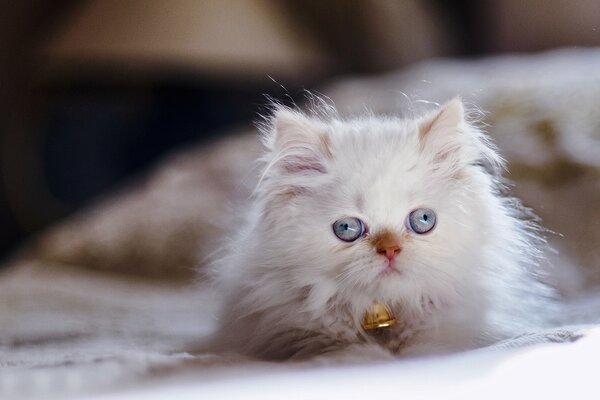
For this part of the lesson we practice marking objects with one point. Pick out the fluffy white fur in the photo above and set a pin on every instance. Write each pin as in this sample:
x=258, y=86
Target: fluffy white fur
x=295, y=290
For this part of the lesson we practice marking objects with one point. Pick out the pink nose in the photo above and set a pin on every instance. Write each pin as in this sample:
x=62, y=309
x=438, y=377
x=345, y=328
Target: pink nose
x=389, y=251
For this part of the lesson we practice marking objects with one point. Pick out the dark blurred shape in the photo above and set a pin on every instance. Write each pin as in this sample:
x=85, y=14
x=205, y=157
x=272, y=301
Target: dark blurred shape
x=94, y=136
x=543, y=24
x=21, y=25
x=367, y=36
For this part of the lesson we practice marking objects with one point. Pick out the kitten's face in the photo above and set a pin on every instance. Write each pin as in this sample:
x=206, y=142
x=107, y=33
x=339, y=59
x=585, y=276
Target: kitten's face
x=385, y=210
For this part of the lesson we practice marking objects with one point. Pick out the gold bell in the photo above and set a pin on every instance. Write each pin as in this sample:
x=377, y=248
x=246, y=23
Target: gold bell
x=379, y=316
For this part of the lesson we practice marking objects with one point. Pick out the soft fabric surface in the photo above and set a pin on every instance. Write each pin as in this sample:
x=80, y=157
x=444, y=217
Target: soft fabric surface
x=548, y=372
x=68, y=329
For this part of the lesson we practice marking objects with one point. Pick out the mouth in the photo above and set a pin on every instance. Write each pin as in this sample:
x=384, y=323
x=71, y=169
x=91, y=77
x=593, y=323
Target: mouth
x=389, y=269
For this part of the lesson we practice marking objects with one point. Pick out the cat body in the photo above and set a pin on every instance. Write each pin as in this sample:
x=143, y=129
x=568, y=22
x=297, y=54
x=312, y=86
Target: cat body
x=295, y=286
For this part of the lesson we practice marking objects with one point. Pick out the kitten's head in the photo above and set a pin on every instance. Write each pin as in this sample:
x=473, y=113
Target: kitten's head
x=377, y=209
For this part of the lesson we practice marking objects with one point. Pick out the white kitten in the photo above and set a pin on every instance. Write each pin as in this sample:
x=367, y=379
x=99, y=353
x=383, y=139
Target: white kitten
x=406, y=213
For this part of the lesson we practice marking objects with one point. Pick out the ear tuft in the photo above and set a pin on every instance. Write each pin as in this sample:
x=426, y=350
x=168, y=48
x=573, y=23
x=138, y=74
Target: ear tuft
x=452, y=141
x=450, y=116
x=286, y=120
x=299, y=144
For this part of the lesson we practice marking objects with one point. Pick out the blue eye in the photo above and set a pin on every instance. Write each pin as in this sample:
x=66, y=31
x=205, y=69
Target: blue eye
x=349, y=229
x=421, y=220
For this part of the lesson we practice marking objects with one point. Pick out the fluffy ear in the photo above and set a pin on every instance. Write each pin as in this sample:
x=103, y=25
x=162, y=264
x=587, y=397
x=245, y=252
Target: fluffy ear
x=442, y=131
x=299, y=145
x=446, y=135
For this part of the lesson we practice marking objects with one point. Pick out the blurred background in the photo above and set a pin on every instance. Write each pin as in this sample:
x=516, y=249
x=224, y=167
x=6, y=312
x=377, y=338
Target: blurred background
x=93, y=93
